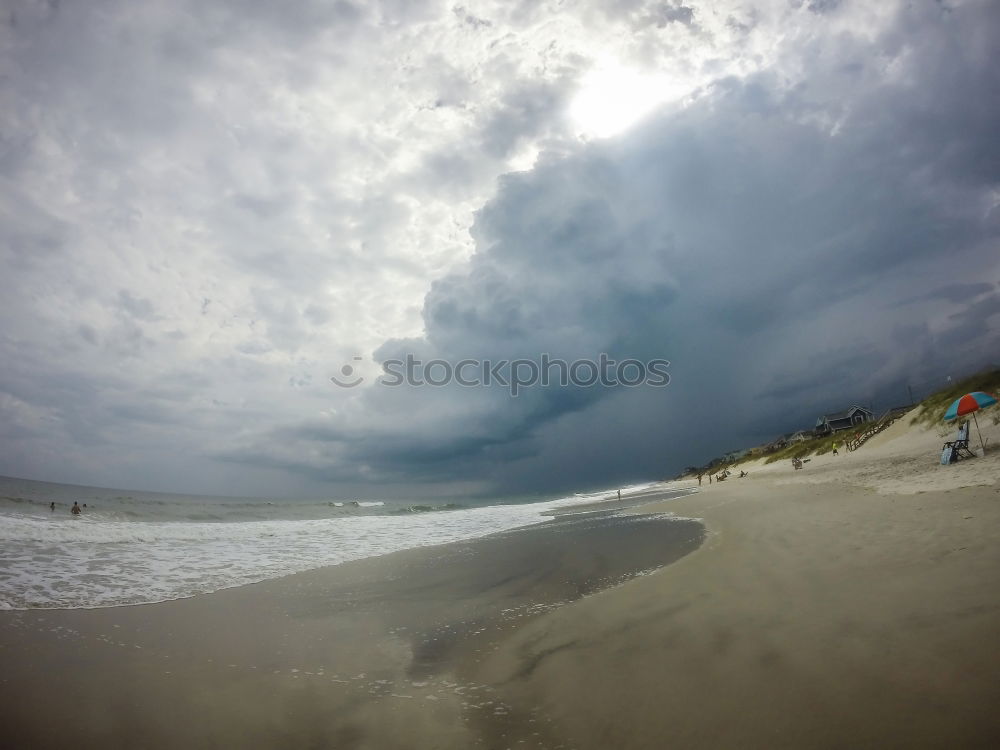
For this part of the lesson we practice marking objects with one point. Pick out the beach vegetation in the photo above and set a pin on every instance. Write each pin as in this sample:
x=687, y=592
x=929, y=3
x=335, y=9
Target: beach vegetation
x=817, y=446
x=931, y=410
x=928, y=412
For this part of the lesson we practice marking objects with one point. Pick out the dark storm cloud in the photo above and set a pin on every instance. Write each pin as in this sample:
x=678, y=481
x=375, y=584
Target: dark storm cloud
x=974, y=324
x=824, y=372
x=714, y=236
x=207, y=209
x=956, y=293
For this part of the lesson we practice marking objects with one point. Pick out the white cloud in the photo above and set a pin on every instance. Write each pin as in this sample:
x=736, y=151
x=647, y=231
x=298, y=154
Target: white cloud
x=207, y=209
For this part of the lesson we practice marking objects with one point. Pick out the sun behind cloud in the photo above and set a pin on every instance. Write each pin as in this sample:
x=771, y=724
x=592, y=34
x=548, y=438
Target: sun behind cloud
x=612, y=97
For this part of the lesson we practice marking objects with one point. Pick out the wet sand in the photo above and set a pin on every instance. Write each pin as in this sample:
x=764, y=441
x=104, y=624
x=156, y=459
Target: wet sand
x=813, y=615
x=380, y=653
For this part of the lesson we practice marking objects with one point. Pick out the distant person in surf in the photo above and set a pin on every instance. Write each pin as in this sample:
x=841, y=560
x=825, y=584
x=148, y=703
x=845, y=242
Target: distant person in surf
x=52, y=507
x=76, y=509
x=619, y=495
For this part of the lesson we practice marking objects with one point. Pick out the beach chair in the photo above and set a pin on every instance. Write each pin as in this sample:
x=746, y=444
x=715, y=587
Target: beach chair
x=957, y=449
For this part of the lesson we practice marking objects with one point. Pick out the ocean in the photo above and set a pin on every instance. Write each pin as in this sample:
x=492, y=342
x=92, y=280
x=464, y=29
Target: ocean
x=140, y=547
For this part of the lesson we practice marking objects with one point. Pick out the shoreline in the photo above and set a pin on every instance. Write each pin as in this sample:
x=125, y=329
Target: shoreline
x=821, y=608
x=632, y=501
x=65, y=562
x=363, y=638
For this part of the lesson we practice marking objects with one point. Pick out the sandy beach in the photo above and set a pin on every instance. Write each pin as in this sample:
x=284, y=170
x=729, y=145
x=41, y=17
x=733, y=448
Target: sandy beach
x=362, y=364
x=850, y=604
x=379, y=653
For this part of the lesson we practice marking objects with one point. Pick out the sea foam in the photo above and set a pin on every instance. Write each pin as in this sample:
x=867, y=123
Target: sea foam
x=54, y=561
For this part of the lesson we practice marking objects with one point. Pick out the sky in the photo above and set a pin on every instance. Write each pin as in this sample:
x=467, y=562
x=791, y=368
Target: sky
x=209, y=210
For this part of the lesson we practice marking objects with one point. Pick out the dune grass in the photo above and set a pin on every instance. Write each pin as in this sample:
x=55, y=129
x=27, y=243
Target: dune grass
x=931, y=410
x=814, y=447
x=928, y=412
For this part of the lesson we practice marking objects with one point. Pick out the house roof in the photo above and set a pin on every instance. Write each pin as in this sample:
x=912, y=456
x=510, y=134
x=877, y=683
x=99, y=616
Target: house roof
x=841, y=414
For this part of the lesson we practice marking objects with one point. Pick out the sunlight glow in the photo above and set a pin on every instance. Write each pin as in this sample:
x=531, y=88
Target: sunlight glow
x=612, y=97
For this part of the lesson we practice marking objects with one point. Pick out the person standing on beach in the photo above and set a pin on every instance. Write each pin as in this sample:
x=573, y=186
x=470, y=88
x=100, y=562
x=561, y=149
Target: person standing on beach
x=619, y=495
x=699, y=480
x=835, y=450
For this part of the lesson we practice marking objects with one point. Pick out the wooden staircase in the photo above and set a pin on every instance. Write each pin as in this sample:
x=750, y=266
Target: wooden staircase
x=873, y=429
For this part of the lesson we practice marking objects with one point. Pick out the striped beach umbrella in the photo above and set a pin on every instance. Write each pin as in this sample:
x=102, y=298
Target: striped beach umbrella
x=970, y=403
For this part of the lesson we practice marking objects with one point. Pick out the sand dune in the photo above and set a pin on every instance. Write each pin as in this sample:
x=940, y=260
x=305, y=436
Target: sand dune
x=903, y=459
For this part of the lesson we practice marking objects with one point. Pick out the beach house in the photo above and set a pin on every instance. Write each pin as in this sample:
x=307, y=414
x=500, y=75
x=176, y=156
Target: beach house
x=843, y=420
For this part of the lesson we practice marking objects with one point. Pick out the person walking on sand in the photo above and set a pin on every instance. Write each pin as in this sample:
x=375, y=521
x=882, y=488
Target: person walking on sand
x=699, y=480
x=835, y=450
x=76, y=510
